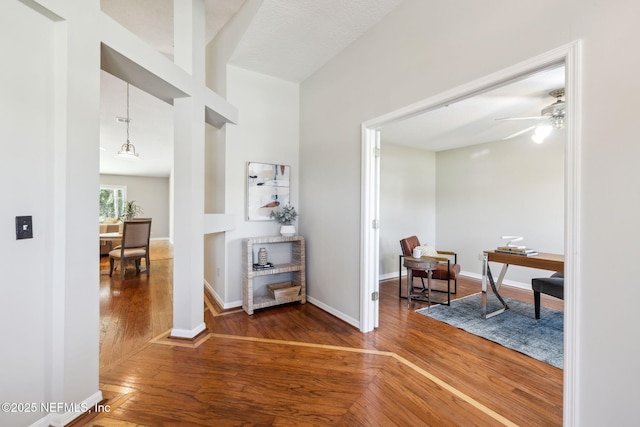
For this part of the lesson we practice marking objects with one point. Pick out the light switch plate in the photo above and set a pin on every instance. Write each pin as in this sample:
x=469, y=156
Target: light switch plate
x=24, y=227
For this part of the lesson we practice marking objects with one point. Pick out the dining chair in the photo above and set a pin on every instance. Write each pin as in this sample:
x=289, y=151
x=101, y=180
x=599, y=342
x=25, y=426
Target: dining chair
x=134, y=246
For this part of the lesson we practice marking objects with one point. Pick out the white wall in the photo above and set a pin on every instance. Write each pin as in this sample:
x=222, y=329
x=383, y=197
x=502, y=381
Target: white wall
x=267, y=132
x=25, y=184
x=214, y=244
x=513, y=187
x=425, y=48
x=466, y=198
x=407, y=201
x=150, y=193
x=50, y=310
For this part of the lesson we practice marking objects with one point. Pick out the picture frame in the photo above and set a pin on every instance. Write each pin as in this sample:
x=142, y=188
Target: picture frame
x=268, y=188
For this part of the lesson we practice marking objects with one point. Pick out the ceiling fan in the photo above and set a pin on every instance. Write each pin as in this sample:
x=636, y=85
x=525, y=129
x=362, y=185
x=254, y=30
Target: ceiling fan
x=551, y=116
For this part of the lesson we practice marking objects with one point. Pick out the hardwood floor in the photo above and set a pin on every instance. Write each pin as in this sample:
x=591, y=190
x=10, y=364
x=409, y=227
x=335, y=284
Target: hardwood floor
x=298, y=365
x=135, y=310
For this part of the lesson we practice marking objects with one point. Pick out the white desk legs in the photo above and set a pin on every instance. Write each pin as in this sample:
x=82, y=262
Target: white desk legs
x=495, y=286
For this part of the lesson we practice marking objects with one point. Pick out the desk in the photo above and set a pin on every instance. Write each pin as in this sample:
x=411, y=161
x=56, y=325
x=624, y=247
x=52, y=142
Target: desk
x=543, y=261
x=426, y=264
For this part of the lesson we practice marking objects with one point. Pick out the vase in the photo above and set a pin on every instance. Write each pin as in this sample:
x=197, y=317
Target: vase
x=288, y=230
x=262, y=256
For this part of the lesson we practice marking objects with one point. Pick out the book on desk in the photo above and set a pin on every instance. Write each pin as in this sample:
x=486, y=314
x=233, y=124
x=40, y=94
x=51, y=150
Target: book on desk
x=517, y=250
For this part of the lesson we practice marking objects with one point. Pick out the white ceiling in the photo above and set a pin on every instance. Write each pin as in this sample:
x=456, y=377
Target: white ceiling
x=473, y=121
x=291, y=40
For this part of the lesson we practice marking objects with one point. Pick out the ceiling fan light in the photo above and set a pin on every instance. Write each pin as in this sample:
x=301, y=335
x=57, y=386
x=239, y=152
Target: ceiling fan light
x=541, y=133
x=538, y=139
x=544, y=130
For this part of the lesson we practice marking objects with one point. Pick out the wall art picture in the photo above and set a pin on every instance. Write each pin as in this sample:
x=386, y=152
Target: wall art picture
x=267, y=189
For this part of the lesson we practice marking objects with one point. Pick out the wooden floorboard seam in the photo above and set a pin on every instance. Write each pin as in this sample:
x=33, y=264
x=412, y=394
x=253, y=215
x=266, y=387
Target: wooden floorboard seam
x=424, y=373
x=164, y=339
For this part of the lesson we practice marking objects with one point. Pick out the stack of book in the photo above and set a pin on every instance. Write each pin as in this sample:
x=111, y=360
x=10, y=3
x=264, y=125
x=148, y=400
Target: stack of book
x=517, y=250
x=257, y=267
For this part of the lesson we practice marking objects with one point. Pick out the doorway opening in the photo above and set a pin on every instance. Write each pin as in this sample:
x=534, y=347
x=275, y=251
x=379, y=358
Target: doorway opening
x=567, y=55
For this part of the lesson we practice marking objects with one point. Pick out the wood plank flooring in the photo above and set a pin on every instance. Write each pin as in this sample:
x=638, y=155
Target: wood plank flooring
x=298, y=365
x=135, y=310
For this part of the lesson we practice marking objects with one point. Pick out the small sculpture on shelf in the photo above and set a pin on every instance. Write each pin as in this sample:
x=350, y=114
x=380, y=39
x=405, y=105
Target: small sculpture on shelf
x=262, y=263
x=262, y=257
x=285, y=217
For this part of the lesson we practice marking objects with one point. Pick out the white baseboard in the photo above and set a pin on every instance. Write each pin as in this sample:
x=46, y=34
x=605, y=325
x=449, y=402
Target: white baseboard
x=213, y=293
x=55, y=419
x=188, y=334
x=221, y=303
x=388, y=276
x=515, y=284
x=333, y=312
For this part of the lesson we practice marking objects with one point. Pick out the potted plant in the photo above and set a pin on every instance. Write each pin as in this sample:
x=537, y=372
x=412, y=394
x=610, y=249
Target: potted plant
x=131, y=210
x=285, y=217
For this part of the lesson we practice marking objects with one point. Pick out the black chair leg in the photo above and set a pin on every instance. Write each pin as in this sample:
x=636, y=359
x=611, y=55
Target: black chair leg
x=536, y=303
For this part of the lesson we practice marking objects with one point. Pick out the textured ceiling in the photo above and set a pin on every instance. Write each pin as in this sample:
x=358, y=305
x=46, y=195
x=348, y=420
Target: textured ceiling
x=291, y=39
x=152, y=20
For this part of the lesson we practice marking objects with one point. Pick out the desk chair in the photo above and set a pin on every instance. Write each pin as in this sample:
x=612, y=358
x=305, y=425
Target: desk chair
x=553, y=286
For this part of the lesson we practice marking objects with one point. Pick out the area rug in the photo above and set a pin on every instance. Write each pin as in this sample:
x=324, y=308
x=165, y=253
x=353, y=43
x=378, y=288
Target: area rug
x=516, y=328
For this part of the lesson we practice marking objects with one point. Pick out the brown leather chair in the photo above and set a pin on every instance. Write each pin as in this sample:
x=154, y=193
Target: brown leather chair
x=445, y=270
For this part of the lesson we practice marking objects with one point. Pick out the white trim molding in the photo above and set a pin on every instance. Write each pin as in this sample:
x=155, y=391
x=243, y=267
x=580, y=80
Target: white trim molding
x=340, y=315
x=57, y=419
x=183, y=333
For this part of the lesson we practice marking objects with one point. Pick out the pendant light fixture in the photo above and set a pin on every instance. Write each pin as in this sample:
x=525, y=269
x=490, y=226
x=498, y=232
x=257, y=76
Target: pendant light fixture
x=128, y=150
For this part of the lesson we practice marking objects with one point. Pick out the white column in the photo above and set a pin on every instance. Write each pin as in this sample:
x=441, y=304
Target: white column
x=188, y=169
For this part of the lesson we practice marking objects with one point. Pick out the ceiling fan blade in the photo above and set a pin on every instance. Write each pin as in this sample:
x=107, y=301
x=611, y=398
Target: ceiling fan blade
x=525, y=118
x=519, y=132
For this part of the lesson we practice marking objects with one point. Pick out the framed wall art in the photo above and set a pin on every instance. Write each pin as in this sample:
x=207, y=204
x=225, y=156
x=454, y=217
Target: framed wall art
x=267, y=189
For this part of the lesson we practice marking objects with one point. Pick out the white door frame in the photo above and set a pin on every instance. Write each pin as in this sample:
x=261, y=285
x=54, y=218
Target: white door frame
x=369, y=243
x=570, y=55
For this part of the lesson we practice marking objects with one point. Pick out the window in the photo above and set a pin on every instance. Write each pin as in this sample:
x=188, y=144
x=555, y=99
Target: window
x=112, y=199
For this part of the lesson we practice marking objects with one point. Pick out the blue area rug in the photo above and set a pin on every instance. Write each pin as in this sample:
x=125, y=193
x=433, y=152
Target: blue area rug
x=516, y=328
